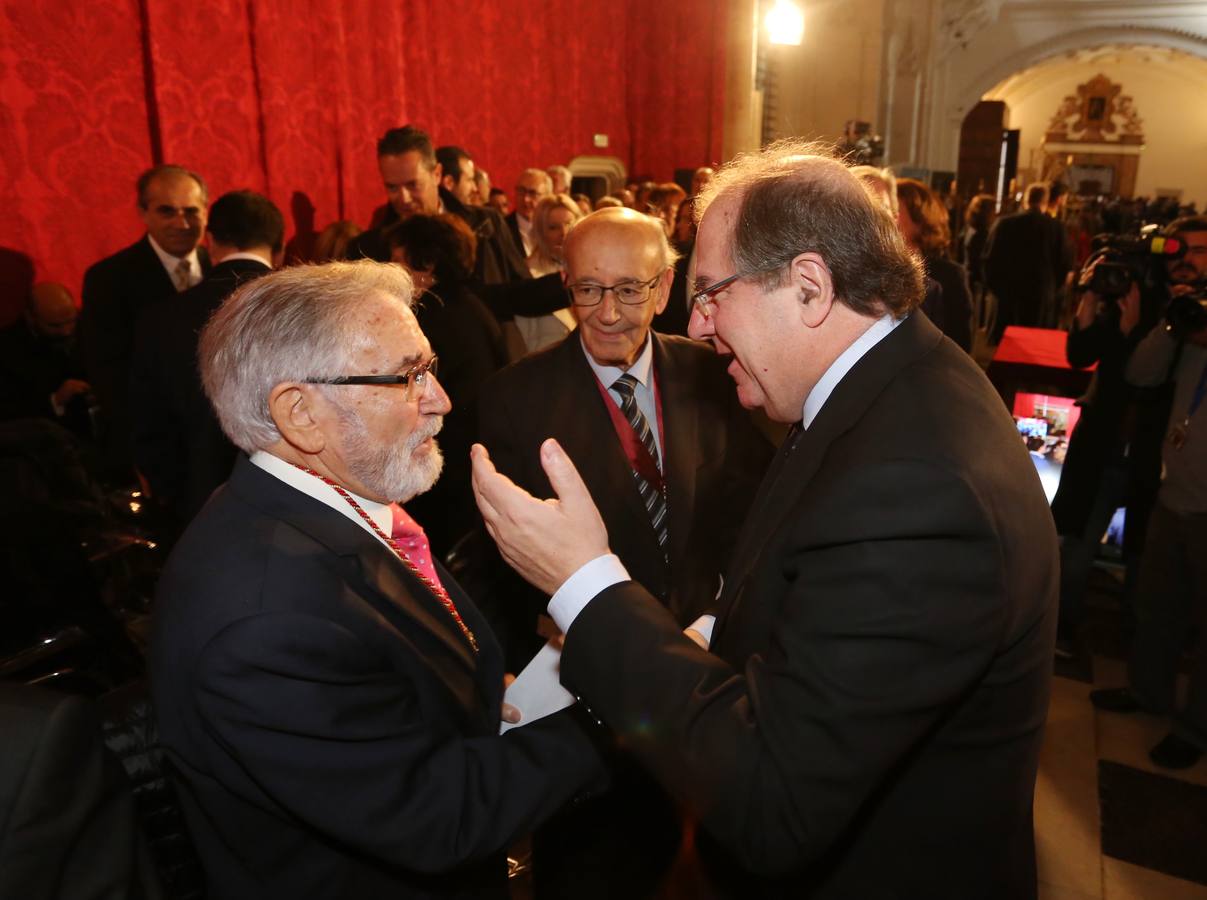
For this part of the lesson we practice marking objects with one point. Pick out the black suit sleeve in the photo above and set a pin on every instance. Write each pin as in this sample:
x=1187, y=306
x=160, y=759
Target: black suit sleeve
x=530, y=297
x=309, y=713
x=155, y=431
x=883, y=623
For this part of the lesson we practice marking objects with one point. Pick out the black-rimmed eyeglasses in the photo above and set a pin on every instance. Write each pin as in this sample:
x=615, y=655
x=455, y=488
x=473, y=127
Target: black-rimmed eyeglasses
x=630, y=293
x=414, y=379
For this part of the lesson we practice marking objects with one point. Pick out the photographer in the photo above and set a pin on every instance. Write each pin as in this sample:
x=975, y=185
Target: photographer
x=1114, y=453
x=1172, y=586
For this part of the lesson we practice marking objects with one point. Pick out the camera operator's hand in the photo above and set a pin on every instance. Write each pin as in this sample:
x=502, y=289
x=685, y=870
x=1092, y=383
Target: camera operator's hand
x=1129, y=310
x=1087, y=307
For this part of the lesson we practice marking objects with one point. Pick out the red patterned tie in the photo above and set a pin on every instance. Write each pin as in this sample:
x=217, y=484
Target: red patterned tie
x=413, y=543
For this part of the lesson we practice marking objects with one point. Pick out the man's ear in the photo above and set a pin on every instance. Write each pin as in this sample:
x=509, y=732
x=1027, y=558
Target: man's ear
x=446, y=182
x=811, y=277
x=293, y=411
x=663, y=287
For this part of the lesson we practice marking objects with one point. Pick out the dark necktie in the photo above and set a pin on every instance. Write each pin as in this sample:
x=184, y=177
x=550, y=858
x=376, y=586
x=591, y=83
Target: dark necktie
x=654, y=499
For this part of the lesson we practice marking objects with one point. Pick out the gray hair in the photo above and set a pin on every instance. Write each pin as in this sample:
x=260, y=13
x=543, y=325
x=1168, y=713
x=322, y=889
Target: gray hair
x=881, y=182
x=286, y=326
x=795, y=197
x=543, y=176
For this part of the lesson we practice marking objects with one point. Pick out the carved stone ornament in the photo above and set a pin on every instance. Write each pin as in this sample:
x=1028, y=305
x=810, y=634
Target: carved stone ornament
x=1094, y=111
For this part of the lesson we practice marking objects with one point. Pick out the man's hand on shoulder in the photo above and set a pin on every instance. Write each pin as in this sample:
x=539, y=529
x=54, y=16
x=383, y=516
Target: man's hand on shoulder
x=545, y=541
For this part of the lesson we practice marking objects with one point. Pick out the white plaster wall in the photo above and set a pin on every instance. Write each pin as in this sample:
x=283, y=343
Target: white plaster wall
x=1170, y=93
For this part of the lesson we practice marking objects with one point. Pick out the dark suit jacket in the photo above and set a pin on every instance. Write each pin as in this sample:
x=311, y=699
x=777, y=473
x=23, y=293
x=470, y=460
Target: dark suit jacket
x=1026, y=260
x=31, y=369
x=67, y=823
x=178, y=444
x=714, y=459
x=868, y=722
x=623, y=844
x=116, y=290
x=333, y=732
x=513, y=225
x=955, y=318
x=469, y=343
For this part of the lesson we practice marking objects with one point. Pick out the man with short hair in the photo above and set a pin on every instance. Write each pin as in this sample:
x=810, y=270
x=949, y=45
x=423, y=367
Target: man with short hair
x=416, y=182
x=1027, y=258
x=482, y=188
x=530, y=187
x=457, y=173
x=167, y=260
x=559, y=179
x=497, y=199
x=674, y=460
x=178, y=446
x=328, y=696
x=868, y=719
x=40, y=374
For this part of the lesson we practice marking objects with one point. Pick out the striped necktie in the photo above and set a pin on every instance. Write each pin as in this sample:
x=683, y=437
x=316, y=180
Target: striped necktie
x=184, y=274
x=654, y=499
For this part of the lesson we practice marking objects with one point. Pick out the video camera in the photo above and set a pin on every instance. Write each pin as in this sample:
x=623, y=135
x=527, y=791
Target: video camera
x=1128, y=259
x=1187, y=313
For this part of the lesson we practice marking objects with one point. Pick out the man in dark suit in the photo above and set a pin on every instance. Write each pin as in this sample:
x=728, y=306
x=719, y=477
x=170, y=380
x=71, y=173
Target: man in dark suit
x=167, y=260
x=178, y=446
x=328, y=696
x=1026, y=260
x=40, y=373
x=415, y=182
x=706, y=461
x=867, y=722
x=532, y=185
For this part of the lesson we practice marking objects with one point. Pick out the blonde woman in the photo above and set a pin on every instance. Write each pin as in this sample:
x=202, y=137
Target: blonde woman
x=554, y=216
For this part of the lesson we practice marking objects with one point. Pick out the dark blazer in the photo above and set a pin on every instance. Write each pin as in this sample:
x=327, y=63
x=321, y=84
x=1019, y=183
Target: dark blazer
x=513, y=225
x=623, y=843
x=1026, y=259
x=469, y=343
x=178, y=444
x=333, y=732
x=67, y=823
x=31, y=369
x=868, y=722
x=955, y=316
x=715, y=458
x=116, y=290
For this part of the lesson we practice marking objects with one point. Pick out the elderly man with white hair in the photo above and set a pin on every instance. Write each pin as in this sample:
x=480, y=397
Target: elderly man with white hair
x=329, y=697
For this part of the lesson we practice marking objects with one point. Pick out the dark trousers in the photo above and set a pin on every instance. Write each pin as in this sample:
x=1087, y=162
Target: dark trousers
x=1171, y=599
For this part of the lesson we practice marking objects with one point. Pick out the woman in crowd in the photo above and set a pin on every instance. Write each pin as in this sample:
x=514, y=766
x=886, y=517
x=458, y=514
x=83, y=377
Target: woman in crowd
x=554, y=216
x=923, y=221
x=978, y=219
x=438, y=252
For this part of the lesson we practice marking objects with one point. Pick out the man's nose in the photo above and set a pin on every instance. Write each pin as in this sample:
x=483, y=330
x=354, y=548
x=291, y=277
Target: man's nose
x=434, y=400
x=699, y=327
x=609, y=307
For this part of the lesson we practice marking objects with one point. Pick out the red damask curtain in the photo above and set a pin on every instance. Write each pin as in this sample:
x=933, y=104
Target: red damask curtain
x=289, y=98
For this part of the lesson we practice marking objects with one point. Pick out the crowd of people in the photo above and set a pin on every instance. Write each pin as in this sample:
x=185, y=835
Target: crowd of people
x=489, y=430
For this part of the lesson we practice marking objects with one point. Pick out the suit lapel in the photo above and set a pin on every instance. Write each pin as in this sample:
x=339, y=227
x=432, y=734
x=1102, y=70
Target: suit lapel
x=790, y=475
x=393, y=591
x=586, y=432
x=680, y=442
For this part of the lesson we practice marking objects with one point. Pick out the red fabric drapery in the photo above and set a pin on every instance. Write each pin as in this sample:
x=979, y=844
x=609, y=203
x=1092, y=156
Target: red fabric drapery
x=289, y=98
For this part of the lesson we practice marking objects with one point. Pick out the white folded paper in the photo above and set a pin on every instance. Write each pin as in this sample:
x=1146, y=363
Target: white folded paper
x=537, y=691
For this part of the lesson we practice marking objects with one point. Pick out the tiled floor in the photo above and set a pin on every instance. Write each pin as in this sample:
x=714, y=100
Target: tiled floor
x=1067, y=812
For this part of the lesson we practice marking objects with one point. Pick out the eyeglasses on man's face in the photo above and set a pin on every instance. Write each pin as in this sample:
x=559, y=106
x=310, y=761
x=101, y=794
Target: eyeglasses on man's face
x=630, y=293
x=705, y=298
x=414, y=380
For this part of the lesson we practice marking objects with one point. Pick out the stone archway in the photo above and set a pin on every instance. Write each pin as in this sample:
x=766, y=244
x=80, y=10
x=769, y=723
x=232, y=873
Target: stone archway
x=966, y=74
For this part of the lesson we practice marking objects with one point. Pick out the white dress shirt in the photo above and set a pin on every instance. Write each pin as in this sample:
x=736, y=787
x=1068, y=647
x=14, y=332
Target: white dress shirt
x=170, y=263
x=643, y=393
x=324, y=493
x=604, y=571
x=525, y=229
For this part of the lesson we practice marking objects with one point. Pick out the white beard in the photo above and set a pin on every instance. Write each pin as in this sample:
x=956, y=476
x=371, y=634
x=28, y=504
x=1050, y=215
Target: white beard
x=399, y=472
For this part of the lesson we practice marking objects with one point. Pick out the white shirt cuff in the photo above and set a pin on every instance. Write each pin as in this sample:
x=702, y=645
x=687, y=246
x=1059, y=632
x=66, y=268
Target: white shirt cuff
x=703, y=627
x=581, y=588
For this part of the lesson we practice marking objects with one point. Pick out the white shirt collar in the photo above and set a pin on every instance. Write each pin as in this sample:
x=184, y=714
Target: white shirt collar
x=249, y=255
x=838, y=369
x=641, y=369
x=324, y=493
x=170, y=262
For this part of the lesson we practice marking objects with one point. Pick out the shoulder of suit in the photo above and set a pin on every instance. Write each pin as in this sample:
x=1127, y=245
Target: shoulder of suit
x=137, y=253
x=533, y=370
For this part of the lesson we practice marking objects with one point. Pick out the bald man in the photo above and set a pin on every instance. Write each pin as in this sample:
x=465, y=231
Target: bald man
x=672, y=459
x=40, y=375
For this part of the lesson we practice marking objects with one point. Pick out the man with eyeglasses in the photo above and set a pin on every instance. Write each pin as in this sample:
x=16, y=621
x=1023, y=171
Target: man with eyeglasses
x=329, y=697
x=167, y=260
x=674, y=461
x=868, y=717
